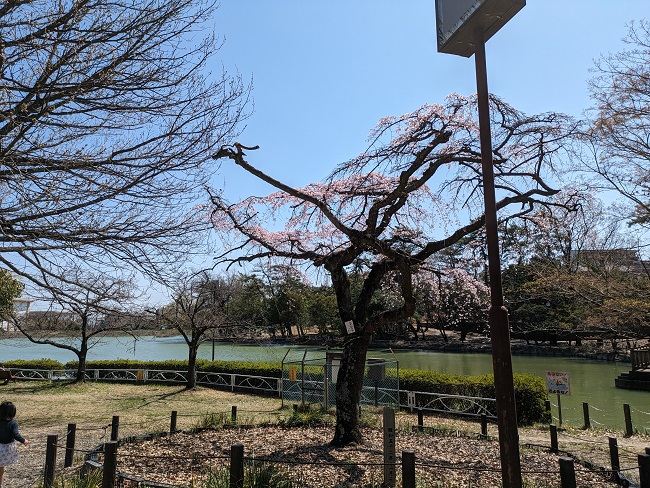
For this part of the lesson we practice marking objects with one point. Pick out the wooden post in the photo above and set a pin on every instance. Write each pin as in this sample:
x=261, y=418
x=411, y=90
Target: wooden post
x=554, y=444
x=613, y=454
x=559, y=409
x=628, y=420
x=408, y=469
x=115, y=427
x=237, y=466
x=547, y=404
x=389, y=448
x=585, y=414
x=484, y=427
x=420, y=420
x=233, y=414
x=110, y=464
x=50, y=461
x=172, y=422
x=69, y=445
x=644, y=470
x=567, y=473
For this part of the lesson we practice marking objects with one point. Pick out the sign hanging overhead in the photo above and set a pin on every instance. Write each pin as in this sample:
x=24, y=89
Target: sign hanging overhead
x=458, y=20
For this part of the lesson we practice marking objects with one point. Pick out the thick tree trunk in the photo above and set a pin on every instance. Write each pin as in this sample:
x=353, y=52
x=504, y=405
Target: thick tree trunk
x=82, y=354
x=81, y=367
x=348, y=391
x=191, y=367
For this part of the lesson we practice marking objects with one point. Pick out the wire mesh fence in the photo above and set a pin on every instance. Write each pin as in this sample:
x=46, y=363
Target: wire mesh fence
x=313, y=380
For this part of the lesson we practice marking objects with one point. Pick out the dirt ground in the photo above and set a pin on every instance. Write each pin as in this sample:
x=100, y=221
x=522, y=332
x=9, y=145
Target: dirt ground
x=451, y=450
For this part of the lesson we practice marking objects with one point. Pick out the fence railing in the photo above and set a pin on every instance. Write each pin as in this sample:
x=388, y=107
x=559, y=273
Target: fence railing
x=425, y=401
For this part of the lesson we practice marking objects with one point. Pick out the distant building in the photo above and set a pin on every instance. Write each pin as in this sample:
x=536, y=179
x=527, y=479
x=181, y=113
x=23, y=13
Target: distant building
x=21, y=308
x=609, y=260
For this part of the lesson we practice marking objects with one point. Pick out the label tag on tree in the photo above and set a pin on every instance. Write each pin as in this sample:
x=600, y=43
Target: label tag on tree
x=349, y=326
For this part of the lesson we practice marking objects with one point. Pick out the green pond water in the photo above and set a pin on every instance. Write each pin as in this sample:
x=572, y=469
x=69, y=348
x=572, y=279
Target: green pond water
x=590, y=381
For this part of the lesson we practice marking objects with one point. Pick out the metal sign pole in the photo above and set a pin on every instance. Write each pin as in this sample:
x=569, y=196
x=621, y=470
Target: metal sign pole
x=499, y=327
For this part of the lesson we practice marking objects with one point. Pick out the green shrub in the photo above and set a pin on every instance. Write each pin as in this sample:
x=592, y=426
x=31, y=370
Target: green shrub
x=43, y=363
x=273, y=370
x=307, y=417
x=530, y=390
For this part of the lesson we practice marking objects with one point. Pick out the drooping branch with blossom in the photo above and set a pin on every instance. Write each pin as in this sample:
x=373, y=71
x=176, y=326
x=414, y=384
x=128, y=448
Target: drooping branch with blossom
x=415, y=191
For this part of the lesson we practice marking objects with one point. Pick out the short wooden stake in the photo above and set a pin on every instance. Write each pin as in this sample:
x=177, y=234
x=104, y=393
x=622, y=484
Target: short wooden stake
x=69, y=445
x=554, y=444
x=613, y=454
x=110, y=464
x=644, y=470
x=585, y=413
x=389, y=448
x=547, y=404
x=484, y=430
x=50, y=461
x=237, y=466
x=420, y=420
x=115, y=427
x=567, y=473
x=233, y=413
x=408, y=469
x=628, y=420
x=172, y=422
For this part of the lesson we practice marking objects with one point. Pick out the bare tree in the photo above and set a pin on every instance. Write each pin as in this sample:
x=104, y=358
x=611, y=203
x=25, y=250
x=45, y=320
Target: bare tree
x=383, y=211
x=75, y=312
x=107, y=120
x=199, y=306
x=618, y=136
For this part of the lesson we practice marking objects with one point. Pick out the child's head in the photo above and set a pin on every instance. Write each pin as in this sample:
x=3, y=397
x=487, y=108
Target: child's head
x=7, y=410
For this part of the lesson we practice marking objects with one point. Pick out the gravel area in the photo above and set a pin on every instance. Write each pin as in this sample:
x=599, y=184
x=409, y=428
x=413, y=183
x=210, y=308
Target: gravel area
x=441, y=460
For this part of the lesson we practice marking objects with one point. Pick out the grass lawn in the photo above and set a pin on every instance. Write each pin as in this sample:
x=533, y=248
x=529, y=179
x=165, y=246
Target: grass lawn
x=142, y=408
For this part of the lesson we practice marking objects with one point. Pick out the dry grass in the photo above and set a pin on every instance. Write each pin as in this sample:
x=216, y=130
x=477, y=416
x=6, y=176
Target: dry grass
x=47, y=408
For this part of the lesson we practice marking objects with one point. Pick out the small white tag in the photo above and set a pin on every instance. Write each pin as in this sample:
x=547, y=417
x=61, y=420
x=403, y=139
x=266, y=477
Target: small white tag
x=349, y=326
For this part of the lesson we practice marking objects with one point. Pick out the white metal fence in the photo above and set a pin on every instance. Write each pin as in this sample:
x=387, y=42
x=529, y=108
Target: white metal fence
x=425, y=401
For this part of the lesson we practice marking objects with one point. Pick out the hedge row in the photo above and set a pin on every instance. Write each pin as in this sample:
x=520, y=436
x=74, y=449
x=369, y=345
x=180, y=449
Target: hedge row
x=530, y=390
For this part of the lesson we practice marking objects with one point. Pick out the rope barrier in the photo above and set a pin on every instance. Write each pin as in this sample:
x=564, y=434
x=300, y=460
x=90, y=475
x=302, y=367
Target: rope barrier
x=640, y=411
x=88, y=429
x=585, y=440
x=173, y=458
x=591, y=407
x=84, y=451
x=422, y=464
x=457, y=468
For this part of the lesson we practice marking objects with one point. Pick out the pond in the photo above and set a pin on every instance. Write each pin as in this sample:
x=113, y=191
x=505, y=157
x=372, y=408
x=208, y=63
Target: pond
x=590, y=381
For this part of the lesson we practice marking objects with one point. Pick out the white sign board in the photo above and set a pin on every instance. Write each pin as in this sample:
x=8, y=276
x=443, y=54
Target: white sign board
x=458, y=20
x=557, y=382
x=349, y=327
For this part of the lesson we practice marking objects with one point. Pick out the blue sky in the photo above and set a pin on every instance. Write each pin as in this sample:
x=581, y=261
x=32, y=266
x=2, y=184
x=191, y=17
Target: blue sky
x=325, y=72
